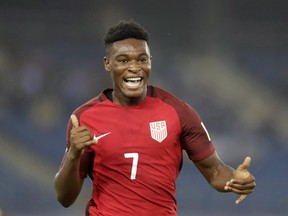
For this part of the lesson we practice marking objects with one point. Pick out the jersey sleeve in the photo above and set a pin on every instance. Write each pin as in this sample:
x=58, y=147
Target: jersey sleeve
x=195, y=139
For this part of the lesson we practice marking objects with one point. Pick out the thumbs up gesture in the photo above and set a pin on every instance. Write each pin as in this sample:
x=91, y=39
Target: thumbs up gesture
x=80, y=137
x=243, y=182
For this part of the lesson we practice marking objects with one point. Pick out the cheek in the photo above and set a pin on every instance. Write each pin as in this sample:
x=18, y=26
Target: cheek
x=118, y=69
x=116, y=76
x=147, y=70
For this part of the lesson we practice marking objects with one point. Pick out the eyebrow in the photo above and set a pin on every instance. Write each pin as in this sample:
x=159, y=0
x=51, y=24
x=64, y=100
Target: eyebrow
x=126, y=55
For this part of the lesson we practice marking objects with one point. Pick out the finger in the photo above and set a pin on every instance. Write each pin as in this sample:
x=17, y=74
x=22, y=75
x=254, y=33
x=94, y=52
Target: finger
x=245, y=164
x=237, y=182
x=240, y=199
x=239, y=191
x=90, y=142
x=86, y=138
x=74, y=120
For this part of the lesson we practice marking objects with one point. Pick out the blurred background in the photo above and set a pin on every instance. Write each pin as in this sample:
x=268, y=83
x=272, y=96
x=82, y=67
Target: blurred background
x=227, y=59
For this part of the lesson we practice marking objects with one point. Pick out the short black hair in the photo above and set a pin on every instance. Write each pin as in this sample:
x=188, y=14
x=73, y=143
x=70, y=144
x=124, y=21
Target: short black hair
x=124, y=30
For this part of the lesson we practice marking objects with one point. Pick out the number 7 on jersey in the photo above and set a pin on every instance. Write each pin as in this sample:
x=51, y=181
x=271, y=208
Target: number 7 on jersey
x=135, y=157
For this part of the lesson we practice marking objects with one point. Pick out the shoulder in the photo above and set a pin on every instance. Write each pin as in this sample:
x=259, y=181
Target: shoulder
x=162, y=94
x=185, y=112
x=90, y=103
x=171, y=99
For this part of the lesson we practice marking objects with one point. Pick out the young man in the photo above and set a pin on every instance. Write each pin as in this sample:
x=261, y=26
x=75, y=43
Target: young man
x=129, y=140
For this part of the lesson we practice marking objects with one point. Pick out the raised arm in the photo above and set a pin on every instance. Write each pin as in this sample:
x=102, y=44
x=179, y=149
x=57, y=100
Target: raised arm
x=68, y=182
x=225, y=179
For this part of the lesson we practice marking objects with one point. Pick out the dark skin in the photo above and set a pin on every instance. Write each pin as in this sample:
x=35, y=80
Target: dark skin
x=225, y=179
x=126, y=59
x=129, y=64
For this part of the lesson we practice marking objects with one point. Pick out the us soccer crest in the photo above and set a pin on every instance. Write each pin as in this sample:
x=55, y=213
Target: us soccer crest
x=158, y=130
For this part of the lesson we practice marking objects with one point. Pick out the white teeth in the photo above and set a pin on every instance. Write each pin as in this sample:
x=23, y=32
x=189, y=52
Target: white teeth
x=133, y=79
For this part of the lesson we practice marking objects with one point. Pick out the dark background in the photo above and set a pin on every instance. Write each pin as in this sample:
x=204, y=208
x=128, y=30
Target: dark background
x=227, y=59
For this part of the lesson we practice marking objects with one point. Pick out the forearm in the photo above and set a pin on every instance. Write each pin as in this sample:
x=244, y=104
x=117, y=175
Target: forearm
x=215, y=171
x=220, y=176
x=67, y=181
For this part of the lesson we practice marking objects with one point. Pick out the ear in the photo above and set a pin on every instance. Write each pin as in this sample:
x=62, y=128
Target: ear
x=106, y=64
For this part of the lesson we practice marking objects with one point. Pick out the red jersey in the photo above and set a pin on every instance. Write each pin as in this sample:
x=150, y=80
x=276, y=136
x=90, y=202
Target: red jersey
x=138, y=156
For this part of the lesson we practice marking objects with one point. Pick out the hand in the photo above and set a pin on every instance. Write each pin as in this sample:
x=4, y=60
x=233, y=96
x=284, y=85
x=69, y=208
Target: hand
x=80, y=137
x=243, y=182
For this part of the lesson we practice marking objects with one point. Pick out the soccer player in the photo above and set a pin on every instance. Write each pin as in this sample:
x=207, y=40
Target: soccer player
x=130, y=140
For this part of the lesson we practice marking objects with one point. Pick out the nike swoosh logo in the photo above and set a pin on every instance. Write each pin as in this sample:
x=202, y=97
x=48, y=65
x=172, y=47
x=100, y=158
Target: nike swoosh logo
x=101, y=136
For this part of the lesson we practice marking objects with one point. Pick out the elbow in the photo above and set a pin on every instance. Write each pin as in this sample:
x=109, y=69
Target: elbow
x=65, y=205
x=64, y=201
x=66, y=194
x=64, y=198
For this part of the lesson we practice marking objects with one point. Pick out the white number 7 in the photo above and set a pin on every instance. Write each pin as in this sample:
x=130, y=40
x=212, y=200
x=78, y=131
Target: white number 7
x=134, y=163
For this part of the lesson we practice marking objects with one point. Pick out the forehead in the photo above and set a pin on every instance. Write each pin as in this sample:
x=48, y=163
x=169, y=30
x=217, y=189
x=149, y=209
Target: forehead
x=129, y=46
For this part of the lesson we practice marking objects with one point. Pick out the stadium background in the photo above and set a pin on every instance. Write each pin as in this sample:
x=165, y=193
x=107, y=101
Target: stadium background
x=228, y=59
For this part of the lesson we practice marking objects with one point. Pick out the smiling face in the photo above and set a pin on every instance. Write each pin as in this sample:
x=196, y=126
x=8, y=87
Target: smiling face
x=129, y=63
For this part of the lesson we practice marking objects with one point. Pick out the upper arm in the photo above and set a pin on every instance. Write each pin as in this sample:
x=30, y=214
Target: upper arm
x=195, y=139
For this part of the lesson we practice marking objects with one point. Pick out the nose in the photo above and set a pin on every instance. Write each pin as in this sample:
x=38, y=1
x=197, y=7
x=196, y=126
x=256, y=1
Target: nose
x=134, y=67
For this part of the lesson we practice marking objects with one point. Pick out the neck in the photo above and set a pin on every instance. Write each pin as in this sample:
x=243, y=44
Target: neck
x=125, y=101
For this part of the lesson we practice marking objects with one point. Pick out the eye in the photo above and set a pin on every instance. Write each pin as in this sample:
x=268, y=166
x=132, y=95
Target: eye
x=143, y=60
x=122, y=60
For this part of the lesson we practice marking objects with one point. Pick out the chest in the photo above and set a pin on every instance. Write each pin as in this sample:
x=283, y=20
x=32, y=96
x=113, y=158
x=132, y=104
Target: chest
x=147, y=130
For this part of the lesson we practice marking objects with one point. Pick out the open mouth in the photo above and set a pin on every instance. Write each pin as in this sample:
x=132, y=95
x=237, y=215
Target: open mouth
x=133, y=81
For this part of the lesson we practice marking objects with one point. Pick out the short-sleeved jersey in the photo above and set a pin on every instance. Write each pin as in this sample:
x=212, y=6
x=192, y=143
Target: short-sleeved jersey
x=135, y=163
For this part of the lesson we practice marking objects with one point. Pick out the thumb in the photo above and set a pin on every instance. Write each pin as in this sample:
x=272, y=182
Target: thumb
x=245, y=164
x=74, y=120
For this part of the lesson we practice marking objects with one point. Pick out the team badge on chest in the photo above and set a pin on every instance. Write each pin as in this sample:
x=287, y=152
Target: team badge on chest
x=158, y=130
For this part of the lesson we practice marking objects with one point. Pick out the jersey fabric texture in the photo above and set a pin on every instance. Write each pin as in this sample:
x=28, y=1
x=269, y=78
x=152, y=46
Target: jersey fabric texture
x=135, y=164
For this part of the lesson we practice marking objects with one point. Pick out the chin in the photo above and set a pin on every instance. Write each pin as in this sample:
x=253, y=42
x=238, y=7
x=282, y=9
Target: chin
x=136, y=91
x=135, y=94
